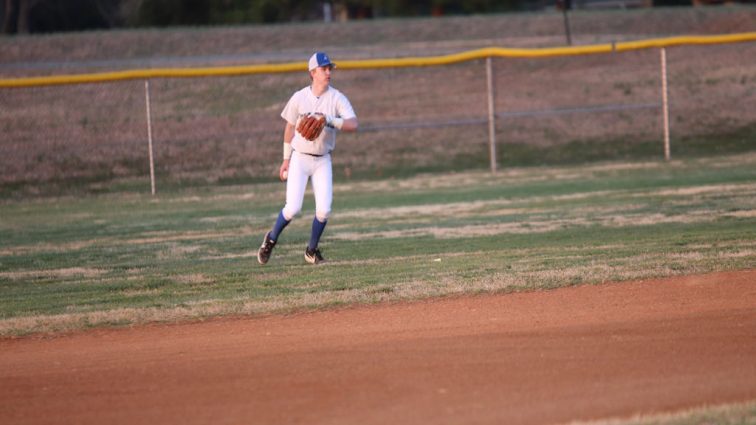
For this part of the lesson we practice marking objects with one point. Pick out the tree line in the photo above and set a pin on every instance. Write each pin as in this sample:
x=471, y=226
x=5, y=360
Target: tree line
x=44, y=16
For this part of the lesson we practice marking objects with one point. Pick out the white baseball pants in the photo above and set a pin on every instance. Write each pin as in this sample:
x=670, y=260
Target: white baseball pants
x=301, y=168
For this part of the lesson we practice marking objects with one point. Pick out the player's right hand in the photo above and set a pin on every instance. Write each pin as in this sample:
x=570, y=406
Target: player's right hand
x=283, y=172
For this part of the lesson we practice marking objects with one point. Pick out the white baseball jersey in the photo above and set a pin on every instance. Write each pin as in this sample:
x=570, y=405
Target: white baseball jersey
x=332, y=102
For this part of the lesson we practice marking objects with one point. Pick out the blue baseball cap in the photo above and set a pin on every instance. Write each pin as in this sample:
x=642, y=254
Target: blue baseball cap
x=319, y=59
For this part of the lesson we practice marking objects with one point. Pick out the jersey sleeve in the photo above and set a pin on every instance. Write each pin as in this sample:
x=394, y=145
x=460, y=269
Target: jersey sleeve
x=344, y=108
x=290, y=112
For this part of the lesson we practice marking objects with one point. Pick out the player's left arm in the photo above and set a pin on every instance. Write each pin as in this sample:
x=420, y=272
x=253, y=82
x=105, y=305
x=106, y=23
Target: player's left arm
x=343, y=124
x=350, y=124
x=347, y=119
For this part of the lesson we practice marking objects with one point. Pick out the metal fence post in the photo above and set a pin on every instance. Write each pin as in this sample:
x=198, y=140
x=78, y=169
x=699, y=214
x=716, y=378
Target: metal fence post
x=149, y=135
x=567, y=34
x=491, y=114
x=665, y=103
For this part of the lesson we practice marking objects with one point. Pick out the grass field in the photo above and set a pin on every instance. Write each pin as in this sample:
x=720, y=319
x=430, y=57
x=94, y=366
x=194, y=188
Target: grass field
x=121, y=259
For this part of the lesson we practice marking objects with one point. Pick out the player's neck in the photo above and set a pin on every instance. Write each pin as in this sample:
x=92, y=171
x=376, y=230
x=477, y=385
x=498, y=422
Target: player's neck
x=318, y=89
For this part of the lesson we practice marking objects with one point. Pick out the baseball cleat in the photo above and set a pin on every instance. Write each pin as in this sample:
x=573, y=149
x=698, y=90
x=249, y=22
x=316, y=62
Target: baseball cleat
x=263, y=254
x=313, y=256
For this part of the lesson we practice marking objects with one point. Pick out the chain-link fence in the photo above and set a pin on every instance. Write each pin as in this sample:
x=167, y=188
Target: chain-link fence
x=228, y=129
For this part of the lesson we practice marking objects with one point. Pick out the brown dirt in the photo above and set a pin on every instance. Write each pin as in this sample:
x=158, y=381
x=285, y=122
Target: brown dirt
x=579, y=353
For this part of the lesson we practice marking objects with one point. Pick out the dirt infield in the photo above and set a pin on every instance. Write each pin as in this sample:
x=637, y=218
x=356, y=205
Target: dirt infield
x=586, y=352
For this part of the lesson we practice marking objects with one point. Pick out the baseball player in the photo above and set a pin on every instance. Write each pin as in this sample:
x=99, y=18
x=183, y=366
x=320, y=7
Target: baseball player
x=312, y=115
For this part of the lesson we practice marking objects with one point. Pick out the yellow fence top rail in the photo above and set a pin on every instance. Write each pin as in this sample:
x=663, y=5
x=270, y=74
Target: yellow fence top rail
x=226, y=71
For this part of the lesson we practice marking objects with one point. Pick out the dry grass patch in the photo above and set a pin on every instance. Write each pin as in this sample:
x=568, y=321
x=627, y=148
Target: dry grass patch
x=727, y=161
x=725, y=414
x=53, y=273
x=176, y=252
x=629, y=166
x=53, y=247
x=539, y=224
x=229, y=218
x=465, y=231
x=248, y=254
x=455, y=209
x=194, y=279
x=656, y=218
x=742, y=214
x=745, y=188
x=171, y=236
x=150, y=238
x=131, y=293
x=417, y=182
x=266, y=193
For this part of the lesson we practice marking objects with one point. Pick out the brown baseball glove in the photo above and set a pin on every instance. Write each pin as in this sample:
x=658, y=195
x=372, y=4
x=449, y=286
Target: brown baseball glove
x=311, y=125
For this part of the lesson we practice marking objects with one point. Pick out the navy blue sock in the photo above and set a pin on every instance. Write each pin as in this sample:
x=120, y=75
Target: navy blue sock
x=317, y=231
x=281, y=223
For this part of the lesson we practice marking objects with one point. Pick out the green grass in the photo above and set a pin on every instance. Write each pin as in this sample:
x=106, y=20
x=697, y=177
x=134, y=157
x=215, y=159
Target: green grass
x=116, y=259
